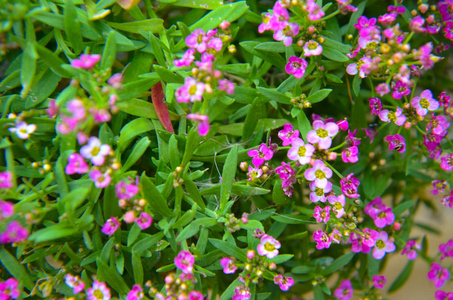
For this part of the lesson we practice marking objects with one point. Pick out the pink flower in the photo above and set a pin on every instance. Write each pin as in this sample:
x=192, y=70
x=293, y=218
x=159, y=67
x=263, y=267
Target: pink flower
x=343, y=125
x=410, y=250
x=312, y=48
x=336, y=236
x=75, y=283
x=318, y=194
x=268, y=246
x=446, y=249
x=14, y=233
x=191, y=91
x=384, y=244
x=363, y=67
x=416, y=24
x=383, y=217
x=195, y=295
x=76, y=164
x=23, y=130
x=53, y=109
x=441, y=295
x=9, y=289
x=136, y=293
x=395, y=117
x=77, y=109
x=400, y=89
x=241, y=292
x=344, y=291
x=438, y=275
x=438, y=186
x=379, y=281
x=424, y=103
x=125, y=190
x=287, y=33
x=254, y=173
x=6, y=180
x=86, y=61
x=349, y=186
x=447, y=162
x=382, y=89
x=396, y=142
x=446, y=10
x=116, y=81
x=387, y=19
x=322, y=239
x=110, y=226
x=197, y=40
x=95, y=151
x=288, y=134
x=203, y=123
x=186, y=59
x=447, y=200
x=363, y=242
x=283, y=282
x=228, y=265
x=448, y=29
x=144, y=220
x=319, y=173
x=338, y=204
x=438, y=125
x=227, y=86
x=260, y=155
x=6, y=209
x=300, y=151
x=296, y=66
x=322, y=215
x=101, y=180
x=322, y=133
x=185, y=261
x=350, y=155
x=432, y=144
x=315, y=11
x=99, y=291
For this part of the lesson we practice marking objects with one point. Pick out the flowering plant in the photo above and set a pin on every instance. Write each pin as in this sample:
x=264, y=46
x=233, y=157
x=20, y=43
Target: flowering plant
x=204, y=150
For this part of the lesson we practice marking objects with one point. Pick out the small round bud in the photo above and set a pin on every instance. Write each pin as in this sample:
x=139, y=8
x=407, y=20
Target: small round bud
x=250, y=254
x=47, y=167
x=350, y=37
x=382, y=162
x=356, y=201
x=122, y=203
x=142, y=202
x=300, y=43
x=178, y=169
x=272, y=266
x=244, y=166
x=232, y=49
x=12, y=116
x=397, y=226
x=413, y=12
x=34, y=165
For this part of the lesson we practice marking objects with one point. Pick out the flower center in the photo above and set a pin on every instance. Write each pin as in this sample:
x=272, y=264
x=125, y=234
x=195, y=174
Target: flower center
x=319, y=192
x=95, y=151
x=192, y=90
x=338, y=206
x=424, y=103
x=324, y=238
x=380, y=244
x=320, y=174
x=23, y=130
x=382, y=215
x=269, y=247
x=322, y=133
x=296, y=64
x=98, y=294
x=392, y=116
x=199, y=39
x=360, y=64
x=301, y=151
x=312, y=45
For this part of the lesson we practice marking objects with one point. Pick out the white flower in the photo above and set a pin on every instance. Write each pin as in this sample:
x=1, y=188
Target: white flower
x=23, y=130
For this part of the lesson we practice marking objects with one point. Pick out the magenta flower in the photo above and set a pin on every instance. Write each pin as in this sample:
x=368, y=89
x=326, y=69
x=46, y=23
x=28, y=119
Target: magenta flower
x=77, y=109
x=197, y=40
x=338, y=204
x=446, y=10
x=400, y=89
x=432, y=144
x=136, y=293
x=322, y=133
x=448, y=29
x=374, y=207
x=344, y=291
x=6, y=180
x=228, y=265
x=363, y=67
x=125, y=190
x=396, y=142
x=14, y=233
x=424, y=103
x=185, y=261
x=382, y=89
x=268, y=246
x=438, y=186
x=384, y=244
x=441, y=295
x=395, y=117
x=315, y=11
x=98, y=291
x=186, y=59
x=75, y=283
x=283, y=282
x=95, y=151
x=336, y=236
x=6, y=209
x=227, y=86
x=322, y=215
x=343, y=125
x=101, y=180
x=384, y=217
x=446, y=249
x=76, y=164
x=254, y=173
x=86, y=61
x=438, y=125
x=195, y=295
x=300, y=151
x=287, y=33
x=322, y=239
x=349, y=186
x=191, y=91
x=260, y=155
x=447, y=200
x=296, y=66
x=288, y=134
x=110, y=226
x=410, y=250
x=350, y=155
x=312, y=48
x=438, y=275
x=379, y=281
x=203, y=123
x=375, y=106
x=241, y=292
x=447, y=162
x=363, y=242
x=9, y=289
x=319, y=173
x=144, y=220
x=318, y=194
x=23, y=130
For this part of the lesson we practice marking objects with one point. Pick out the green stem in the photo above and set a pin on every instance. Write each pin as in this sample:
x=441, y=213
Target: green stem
x=333, y=169
x=329, y=16
x=421, y=131
x=337, y=147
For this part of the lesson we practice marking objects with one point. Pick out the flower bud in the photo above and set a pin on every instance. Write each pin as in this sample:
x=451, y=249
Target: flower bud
x=250, y=254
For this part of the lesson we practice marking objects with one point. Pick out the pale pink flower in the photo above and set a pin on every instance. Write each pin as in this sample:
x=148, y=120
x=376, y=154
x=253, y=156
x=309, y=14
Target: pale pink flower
x=300, y=151
x=185, y=261
x=110, y=226
x=268, y=246
x=322, y=134
x=23, y=130
x=86, y=61
x=312, y=48
x=75, y=283
x=98, y=291
x=425, y=103
x=76, y=164
x=95, y=151
x=203, y=123
x=319, y=173
x=191, y=91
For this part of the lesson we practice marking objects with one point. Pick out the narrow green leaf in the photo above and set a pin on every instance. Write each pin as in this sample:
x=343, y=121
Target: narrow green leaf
x=238, y=190
x=111, y=276
x=136, y=88
x=52, y=233
x=28, y=68
x=402, y=278
x=204, y=4
x=356, y=85
x=193, y=139
x=137, y=152
x=402, y=207
x=147, y=243
x=256, y=112
x=293, y=219
x=133, y=129
x=373, y=265
x=167, y=75
x=334, y=54
x=278, y=47
x=338, y=263
x=15, y=269
x=228, y=174
x=109, y=53
x=141, y=108
x=137, y=267
x=227, y=12
x=194, y=192
x=229, y=292
x=273, y=94
x=304, y=125
x=73, y=27
x=345, y=48
x=52, y=60
x=229, y=249
x=282, y=258
x=174, y=152
x=319, y=95
x=157, y=49
x=333, y=78
x=153, y=196
x=151, y=25
x=133, y=234
x=194, y=227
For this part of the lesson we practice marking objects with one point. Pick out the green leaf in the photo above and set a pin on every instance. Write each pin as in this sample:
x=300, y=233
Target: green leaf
x=229, y=249
x=73, y=27
x=136, y=88
x=137, y=267
x=238, y=190
x=174, y=152
x=194, y=227
x=28, y=67
x=273, y=94
x=204, y=4
x=403, y=277
x=397, y=211
x=153, y=196
x=151, y=25
x=109, y=53
x=333, y=78
x=194, y=192
x=111, y=276
x=16, y=269
x=133, y=129
x=106, y=250
x=227, y=12
x=304, y=125
x=345, y=48
x=137, y=152
x=229, y=292
x=338, y=263
x=193, y=139
x=318, y=95
x=256, y=112
x=271, y=47
x=52, y=233
x=356, y=85
x=373, y=265
x=334, y=54
x=147, y=243
x=157, y=49
x=186, y=218
x=133, y=234
x=228, y=174
x=73, y=199
x=167, y=75
x=282, y=258
x=293, y=219
x=140, y=108
x=52, y=60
